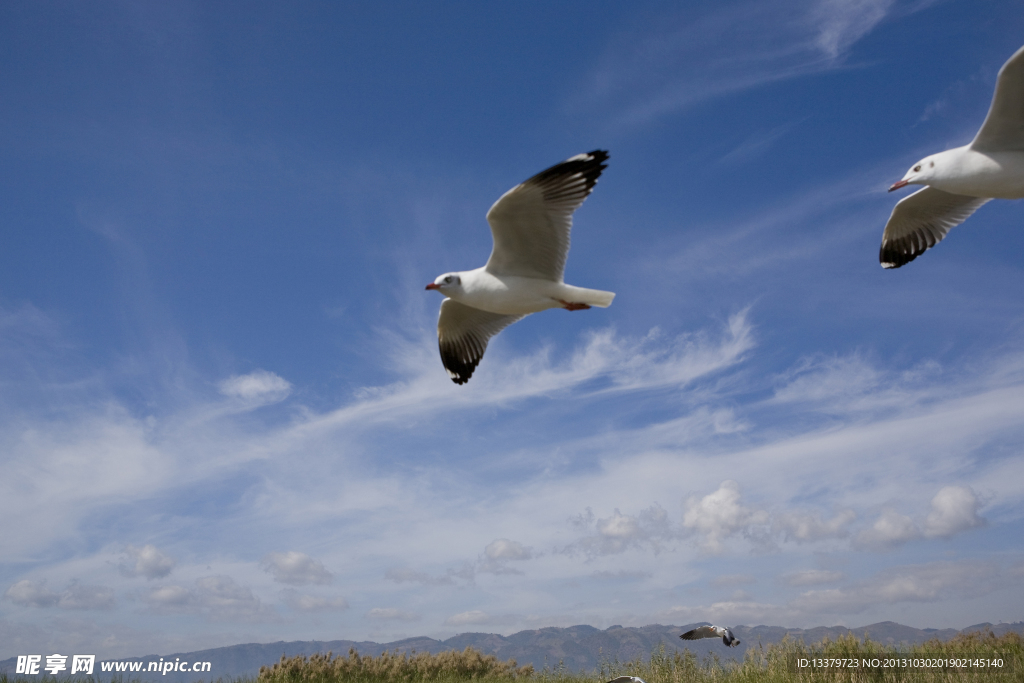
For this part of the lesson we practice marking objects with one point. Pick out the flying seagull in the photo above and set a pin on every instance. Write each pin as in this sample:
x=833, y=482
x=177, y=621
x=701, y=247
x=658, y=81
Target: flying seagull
x=627, y=679
x=712, y=632
x=960, y=180
x=530, y=225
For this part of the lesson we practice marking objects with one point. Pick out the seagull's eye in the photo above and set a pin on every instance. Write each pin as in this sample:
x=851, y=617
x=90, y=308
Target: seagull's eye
x=448, y=280
x=917, y=168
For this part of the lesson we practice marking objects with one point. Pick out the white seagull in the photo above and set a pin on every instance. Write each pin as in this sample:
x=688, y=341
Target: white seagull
x=725, y=634
x=530, y=225
x=627, y=679
x=960, y=180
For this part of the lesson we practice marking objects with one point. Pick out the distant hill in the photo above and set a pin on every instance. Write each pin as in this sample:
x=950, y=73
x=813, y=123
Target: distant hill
x=580, y=648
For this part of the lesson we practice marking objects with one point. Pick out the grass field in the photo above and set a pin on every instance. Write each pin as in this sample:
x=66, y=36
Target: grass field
x=847, y=660
x=861, y=660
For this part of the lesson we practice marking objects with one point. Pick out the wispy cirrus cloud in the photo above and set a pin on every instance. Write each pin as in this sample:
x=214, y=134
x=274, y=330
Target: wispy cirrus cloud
x=692, y=56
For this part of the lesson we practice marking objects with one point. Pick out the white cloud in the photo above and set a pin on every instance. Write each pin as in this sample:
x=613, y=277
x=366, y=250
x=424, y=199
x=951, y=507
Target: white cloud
x=840, y=23
x=79, y=596
x=808, y=527
x=148, y=562
x=720, y=515
x=687, y=57
x=296, y=569
x=466, y=618
x=911, y=583
x=889, y=530
x=221, y=598
x=411, y=575
x=391, y=614
x=504, y=549
x=218, y=597
x=619, y=532
x=31, y=594
x=170, y=598
x=76, y=597
x=260, y=385
x=954, y=509
x=829, y=380
x=302, y=602
x=810, y=577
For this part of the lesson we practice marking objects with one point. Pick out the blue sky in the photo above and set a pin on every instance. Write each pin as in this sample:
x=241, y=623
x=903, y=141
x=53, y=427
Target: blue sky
x=223, y=417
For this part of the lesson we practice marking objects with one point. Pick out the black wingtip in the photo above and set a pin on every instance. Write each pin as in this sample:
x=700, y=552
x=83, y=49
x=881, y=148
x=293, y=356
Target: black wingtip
x=588, y=165
x=890, y=256
x=461, y=358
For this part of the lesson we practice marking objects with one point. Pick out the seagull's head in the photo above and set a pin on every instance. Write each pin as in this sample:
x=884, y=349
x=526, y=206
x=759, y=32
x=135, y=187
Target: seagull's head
x=919, y=174
x=446, y=283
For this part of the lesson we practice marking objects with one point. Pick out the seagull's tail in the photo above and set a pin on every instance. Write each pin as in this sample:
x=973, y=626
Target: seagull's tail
x=593, y=297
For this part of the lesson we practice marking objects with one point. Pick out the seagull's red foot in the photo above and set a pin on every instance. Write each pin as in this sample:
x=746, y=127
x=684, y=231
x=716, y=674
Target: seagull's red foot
x=572, y=306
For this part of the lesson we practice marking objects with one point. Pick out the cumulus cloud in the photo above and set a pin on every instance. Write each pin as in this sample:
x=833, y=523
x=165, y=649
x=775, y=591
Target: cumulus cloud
x=31, y=594
x=170, y=598
x=889, y=530
x=808, y=527
x=504, y=549
x=147, y=562
x=220, y=598
x=296, y=569
x=259, y=386
x=617, y=533
x=720, y=515
x=391, y=614
x=76, y=597
x=501, y=551
x=79, y=596
x=954, y=509
x=302, y=602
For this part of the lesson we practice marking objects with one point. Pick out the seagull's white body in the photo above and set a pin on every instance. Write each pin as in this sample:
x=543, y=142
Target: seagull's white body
x=531, y=225
x=515, y=295
x=961, y=180
x=711, y=631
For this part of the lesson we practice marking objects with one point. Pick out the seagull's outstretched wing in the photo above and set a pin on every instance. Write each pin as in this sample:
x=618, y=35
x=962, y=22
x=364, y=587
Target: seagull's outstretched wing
x=919, y=221
x=627, y=679
x=701, y=632
x=531, y=222
x=462, y=335
x=1003, y=130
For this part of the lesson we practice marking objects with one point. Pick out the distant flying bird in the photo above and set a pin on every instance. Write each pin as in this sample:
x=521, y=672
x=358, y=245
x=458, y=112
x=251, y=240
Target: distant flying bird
x=530, y=225
x=961, y=180
x=712, y=632
x=627, y=679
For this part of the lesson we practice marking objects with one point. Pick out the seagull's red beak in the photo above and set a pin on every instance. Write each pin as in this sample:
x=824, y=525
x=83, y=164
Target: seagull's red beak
x=897, y=185
x=432, y=286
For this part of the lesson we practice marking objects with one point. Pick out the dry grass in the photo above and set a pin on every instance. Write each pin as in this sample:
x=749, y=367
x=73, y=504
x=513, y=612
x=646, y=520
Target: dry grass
x=772, y=664
x=469, y=664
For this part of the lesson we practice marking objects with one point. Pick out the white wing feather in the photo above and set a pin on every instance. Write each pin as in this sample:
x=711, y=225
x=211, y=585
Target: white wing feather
x=531, y=223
